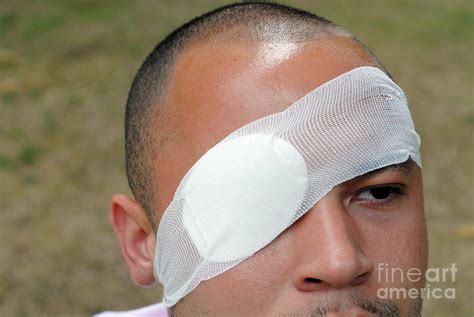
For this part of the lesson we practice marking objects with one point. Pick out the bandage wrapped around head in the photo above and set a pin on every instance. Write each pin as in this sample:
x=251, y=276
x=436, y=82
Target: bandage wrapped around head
x=251, y=186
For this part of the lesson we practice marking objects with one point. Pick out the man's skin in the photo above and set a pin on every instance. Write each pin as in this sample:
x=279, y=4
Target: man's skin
x=331, y=253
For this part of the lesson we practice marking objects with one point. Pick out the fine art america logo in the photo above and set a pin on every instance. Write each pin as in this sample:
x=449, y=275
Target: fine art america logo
x=433, y=276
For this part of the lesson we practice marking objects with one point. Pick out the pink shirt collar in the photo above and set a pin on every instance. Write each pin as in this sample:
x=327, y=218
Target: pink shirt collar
x=156, y=310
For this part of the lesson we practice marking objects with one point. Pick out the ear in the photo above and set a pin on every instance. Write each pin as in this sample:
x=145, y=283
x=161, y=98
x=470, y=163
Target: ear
x=136, y=238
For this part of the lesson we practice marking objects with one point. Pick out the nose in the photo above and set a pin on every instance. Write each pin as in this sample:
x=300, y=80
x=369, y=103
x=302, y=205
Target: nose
x=329, y=248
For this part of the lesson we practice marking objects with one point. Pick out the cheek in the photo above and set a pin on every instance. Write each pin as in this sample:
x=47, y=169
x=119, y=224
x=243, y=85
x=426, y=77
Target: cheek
x=400, y=242
x=400, y=247
x=412, y=237
x=257, y=282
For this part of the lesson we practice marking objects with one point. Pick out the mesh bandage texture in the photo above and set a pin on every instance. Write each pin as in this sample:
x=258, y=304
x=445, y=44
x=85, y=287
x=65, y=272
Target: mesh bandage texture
x=251, y=186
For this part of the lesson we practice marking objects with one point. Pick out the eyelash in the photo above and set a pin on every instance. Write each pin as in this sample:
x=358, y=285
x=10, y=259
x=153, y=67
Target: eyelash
x=394, y=192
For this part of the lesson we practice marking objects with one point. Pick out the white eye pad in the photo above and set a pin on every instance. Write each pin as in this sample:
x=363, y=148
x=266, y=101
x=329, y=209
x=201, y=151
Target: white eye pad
x=255, y=183
x=235, y=187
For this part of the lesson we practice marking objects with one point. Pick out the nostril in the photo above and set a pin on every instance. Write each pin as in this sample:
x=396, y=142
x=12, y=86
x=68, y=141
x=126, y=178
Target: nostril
x=360, y=279
x=310, y=284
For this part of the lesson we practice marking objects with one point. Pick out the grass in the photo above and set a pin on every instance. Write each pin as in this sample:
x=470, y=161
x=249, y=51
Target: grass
x=65, y=70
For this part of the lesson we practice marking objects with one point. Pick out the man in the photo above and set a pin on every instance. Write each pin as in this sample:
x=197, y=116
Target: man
x=208, y=79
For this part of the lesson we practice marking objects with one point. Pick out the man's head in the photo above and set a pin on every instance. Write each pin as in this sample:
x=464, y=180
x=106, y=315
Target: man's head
x=279, y=31
x=218, y=73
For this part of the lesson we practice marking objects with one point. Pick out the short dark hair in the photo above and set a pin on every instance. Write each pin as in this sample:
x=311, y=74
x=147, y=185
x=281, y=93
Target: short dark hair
x=254, y=21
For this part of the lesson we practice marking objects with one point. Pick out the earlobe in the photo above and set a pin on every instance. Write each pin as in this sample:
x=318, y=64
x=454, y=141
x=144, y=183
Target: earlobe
x=136, y=238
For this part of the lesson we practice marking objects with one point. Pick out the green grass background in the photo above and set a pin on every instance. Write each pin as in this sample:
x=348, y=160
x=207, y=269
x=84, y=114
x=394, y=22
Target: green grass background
x=65, y=70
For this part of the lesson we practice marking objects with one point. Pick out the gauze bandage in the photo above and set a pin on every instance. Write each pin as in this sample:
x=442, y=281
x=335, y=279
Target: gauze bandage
x=251, y=186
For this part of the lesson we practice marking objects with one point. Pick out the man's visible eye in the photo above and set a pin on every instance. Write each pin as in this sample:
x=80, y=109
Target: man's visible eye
x=379, y=195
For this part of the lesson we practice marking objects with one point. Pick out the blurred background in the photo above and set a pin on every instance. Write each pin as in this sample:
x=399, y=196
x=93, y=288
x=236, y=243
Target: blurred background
x=65, y=71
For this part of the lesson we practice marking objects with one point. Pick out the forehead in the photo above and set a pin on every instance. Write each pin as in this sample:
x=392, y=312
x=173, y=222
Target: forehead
x=215, y=88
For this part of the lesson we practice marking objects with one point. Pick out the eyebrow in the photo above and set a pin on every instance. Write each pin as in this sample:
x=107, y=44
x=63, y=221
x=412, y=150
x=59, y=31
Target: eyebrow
x=406, y=168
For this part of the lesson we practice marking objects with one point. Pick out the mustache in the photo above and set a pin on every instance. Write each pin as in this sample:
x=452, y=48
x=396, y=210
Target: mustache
x=378, y=307
x=381, y=308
